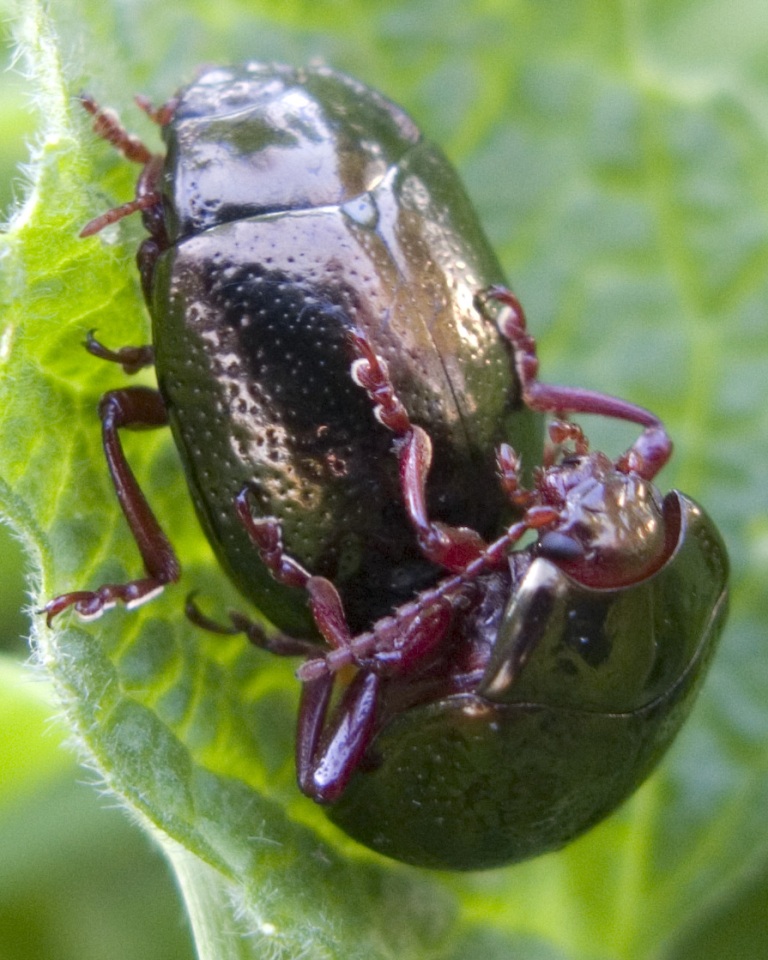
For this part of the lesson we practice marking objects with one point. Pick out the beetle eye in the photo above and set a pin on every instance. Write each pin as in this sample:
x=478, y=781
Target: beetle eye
x=558, y=546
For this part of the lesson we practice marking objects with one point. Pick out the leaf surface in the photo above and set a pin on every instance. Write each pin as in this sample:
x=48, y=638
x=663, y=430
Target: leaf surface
x=616, y=153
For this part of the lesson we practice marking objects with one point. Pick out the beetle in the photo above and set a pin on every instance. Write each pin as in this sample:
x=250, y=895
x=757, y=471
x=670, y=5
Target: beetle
x=508, y=695
x=514, y=704
x=290, y=207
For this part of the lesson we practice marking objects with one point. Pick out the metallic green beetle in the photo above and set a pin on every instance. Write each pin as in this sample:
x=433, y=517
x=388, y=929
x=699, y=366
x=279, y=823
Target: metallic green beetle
x=319, y=287
x=292, y=207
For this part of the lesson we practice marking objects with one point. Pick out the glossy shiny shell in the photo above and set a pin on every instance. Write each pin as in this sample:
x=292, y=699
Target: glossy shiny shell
x=301, y=204
x=583, y=693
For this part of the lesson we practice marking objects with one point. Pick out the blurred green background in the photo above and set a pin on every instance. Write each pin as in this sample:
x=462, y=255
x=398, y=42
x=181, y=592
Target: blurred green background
x=75, y=875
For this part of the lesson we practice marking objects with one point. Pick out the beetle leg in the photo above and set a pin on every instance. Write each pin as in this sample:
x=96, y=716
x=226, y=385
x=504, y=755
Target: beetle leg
x=414, y=630
x=107, y=125
x=327, y=754
x=324, y=599
x=649, y=452
x=134, y=408
x=119, y=213
x=267, y=537
x=313, y=711
x=508, y=464
x=449, y=547
x=131, y=359
x=409, y=645
x=148, y=197
x=398, y=641
x=161, y=115
x=281, y=644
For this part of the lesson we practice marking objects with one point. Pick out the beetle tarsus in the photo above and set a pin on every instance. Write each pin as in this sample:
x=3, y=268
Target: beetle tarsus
x=280, y=644
x=137, y=408
x=650, y=451
x=89, y=605
x=267, y=537
x=161, y=115
x=131, y=359
x=119, y=213
x=107, y=125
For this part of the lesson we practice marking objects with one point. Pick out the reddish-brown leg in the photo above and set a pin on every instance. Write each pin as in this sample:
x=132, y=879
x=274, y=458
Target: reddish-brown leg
x=313, y=714
x=324, y=598
x=144, y=202
x=107, y=125
x=131, y=359
x=400, y=642
x=403, y=639
x=280, y=644
x=508, y=464
x=450, y=547
x=133, y=408
x=327, y=750
x=161, y=115
x=653, y=447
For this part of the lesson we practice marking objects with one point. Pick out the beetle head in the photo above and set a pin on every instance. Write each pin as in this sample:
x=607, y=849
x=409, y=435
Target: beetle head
x=610, y=530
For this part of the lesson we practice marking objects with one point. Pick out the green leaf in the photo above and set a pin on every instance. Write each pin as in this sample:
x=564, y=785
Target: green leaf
x=616, y=153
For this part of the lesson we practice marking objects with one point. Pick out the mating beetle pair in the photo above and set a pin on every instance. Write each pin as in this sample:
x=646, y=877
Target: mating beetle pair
x=353, y=393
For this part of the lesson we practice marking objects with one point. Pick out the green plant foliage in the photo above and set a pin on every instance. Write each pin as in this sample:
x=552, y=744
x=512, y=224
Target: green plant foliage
x=616, y=153
x=58, y=889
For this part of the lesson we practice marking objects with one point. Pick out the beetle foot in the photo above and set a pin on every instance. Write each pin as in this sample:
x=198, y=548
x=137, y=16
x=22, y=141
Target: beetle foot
x=131, y=359
x=653, y=447
x=561, y=432
x=509, y=467
x=280, y=644
x=161, y=115
x=267, y=536
x=648, y=454
x=144, y=202
x=90, y=604
x=107, y=125
x=370, y=372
